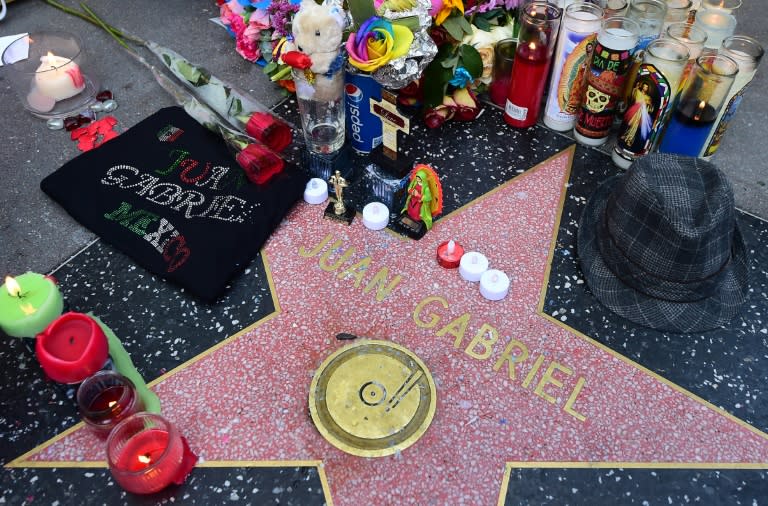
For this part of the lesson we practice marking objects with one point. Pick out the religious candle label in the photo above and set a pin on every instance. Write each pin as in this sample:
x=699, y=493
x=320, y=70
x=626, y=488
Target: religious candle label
x=169, y=194
x=605, y=80
x=563, y=104
x=730, y=110
x=647, y=106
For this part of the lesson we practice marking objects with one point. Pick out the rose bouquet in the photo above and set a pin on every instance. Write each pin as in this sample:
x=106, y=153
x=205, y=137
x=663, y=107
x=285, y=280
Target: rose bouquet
x=390, y=40
x=258, y=28
x=466, y=35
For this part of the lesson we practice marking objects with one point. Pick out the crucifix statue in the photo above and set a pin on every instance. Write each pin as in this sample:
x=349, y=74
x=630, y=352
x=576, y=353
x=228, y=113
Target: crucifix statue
x=391, y=122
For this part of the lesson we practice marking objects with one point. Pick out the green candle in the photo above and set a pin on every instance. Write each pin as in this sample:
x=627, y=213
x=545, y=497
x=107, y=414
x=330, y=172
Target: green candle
x=28, y=303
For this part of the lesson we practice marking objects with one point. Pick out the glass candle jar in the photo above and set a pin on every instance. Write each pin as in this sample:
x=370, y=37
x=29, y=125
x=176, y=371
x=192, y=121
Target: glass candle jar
x=747, y=53
x=503, y=56
x=700, y=101
x=677, y=12
x=105, y=399
x=611, y=61
x=656, y=84
x=581, y=22
x=726, y=5
x=146, y=453
x=540, y=22
x=54, y=80
x=718, y=24
x=649, y=15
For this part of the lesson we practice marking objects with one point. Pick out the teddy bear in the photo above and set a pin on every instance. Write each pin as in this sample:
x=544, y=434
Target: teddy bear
x=317, y=31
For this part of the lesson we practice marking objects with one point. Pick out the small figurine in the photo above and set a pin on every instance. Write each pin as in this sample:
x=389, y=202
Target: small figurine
x=423, y=202
x=338, y=210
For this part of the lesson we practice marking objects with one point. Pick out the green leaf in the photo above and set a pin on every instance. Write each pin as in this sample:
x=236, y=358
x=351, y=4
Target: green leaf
x=450, y=63
x=437, y=76
x=466, y=27
x=269, y=67
x=482, y=24
x=167, y=60
x=190, y=73
x=361, y=10
x=410, y=22
x=470, y=60
x=453, y=27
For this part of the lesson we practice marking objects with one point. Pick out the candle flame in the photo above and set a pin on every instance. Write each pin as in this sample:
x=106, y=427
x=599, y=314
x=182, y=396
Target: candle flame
x=13, y=287
x=27, y=308
x=111, y=403
x=532, y=46
x=144, y=459
x=451, y=247
x=699, y=110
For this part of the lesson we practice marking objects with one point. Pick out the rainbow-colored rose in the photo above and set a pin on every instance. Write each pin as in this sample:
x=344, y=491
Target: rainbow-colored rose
x=376, y=43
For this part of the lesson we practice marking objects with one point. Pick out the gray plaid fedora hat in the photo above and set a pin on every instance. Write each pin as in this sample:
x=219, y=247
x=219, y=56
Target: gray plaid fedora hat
x=659, y=245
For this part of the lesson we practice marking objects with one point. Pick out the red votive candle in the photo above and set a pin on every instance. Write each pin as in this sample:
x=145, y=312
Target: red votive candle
x=105, y=399
x=146, y=453
x=72, y=348
x=539, y=24
x=449, y=254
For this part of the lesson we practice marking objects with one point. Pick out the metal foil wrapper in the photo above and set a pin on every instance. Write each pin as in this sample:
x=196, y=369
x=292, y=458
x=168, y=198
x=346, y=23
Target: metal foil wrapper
x=399, y=72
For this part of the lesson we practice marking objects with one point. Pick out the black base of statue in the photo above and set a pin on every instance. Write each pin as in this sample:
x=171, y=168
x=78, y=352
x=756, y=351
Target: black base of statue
x=346, y=217
x=407, y=226
x=397, y=168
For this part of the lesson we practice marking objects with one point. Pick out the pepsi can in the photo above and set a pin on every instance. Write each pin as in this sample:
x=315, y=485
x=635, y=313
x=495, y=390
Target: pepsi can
x=363, y=128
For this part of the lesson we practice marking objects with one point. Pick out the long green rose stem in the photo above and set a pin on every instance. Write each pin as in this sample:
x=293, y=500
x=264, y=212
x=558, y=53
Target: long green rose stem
x=109, y=28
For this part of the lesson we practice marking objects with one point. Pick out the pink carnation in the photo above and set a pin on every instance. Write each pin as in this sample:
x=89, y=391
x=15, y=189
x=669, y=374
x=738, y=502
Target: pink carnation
x=248, y=48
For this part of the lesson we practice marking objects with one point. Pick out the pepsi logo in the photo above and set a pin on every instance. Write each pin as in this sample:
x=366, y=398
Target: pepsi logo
x=354, y=93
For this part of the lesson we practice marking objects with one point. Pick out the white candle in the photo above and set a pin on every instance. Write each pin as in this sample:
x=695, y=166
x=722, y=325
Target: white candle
x=472, y=266
x=718, y=24
x=375, y=216
x=316, y=191
x=494, y=284
x=724, y=5
x=582, y=20
x=58, y=78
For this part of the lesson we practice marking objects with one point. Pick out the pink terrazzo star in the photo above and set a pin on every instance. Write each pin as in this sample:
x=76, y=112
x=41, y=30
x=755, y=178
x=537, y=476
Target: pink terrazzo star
x=512, y=385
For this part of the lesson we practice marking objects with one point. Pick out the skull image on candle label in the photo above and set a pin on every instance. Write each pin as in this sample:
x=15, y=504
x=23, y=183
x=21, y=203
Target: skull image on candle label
x=596, y=99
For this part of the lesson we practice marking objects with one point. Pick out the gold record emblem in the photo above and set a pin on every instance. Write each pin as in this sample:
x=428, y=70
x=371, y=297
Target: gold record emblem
x=372, y=398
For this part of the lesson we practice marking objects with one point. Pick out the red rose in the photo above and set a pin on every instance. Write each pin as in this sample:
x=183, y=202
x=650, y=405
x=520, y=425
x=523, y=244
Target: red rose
x=259, y=163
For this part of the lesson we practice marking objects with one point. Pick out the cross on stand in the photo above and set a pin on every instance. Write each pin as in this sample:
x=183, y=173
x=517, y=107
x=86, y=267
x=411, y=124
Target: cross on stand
x=391, y=122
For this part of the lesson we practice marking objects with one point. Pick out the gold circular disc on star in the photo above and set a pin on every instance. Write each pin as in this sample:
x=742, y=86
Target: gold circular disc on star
x=372, y=398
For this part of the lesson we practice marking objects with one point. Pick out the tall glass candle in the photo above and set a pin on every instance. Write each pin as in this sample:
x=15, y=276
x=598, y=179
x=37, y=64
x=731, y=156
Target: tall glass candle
x=650, y=15
x=609, y=64
x=503, y=57
x=581, y=22
x=536, y=41
x=693, y=38
x=700, y=102
x=726, y=5
x=656, y=84
x=28, y=304
x=677, y=12
x=72, y=348
x=747, y=52
x=718, y=24
x=146, y=453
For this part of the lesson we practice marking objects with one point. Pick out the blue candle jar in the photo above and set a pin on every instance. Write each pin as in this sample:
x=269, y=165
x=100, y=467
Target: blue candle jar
x=700, y=102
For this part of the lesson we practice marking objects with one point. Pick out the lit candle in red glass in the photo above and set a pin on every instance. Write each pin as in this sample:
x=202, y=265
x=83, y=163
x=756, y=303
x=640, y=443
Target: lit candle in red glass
x=105, y=399
x=539, y=24
x=72, y=348
x=146, y=453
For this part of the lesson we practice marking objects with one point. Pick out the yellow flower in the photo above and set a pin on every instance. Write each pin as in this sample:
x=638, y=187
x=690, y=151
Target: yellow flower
x=448, y=6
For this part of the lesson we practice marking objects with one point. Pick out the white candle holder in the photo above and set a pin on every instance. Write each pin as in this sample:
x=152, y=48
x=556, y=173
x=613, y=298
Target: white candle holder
x=49, y=73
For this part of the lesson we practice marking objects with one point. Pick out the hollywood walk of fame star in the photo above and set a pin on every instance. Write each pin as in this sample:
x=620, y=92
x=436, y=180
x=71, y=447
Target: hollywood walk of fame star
x=511, y=384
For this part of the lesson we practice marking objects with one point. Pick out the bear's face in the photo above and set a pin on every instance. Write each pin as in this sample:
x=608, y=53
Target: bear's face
x=317, y=29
